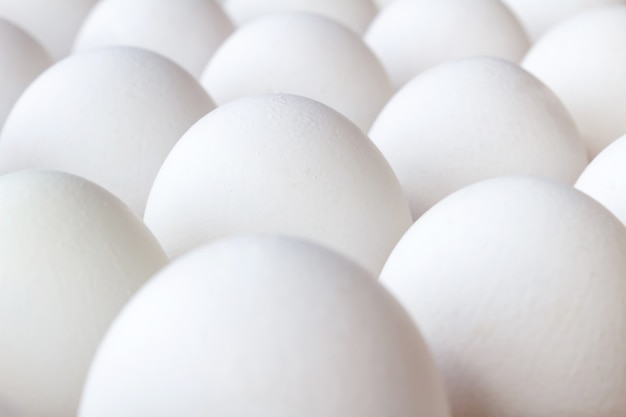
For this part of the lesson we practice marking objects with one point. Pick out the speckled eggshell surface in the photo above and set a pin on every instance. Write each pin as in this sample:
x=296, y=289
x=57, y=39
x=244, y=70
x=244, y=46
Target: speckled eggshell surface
x=583, y=60
x=267, y=326
x=186, y=31
x=518, y=284
x=473, y=119
x=53, y=23
x=22, y=59
x=604, y=179
x=410, y=36
x=304, y=54
x=279, y=163
x=110, y=115
x=354, y=14
x=72, y=255
x=538, y=16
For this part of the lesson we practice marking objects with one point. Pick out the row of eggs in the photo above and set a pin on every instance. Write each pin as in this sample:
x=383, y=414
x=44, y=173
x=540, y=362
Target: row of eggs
x=286, y=327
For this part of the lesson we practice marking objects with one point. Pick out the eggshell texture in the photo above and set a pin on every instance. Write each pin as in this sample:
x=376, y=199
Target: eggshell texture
x=410, y=36
x=22, y=60
x=304, y=54
x=469, y=120
x=604, y=179
x=268, y=326
x=355, y=14
x=583, y=60
x=281, y=164
x=186, y=31
x=538, y=16
x=110, y=115
x=72, y=255
x=53, y=23
x=518, y=286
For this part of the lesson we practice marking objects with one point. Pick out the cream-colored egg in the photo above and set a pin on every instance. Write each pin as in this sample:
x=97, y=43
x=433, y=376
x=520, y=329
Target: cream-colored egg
x=474, y=119
x=518, y=286
x=53, y=23
x=21, y=60
x=110, y=115
x=410, y=36
x=72, y=255
x=538, y=16
x=263, y=326
x=355, y=14
x=604, y=179
x=186, y=31
x=583, y=60
x=279, y=164
x=304, y=54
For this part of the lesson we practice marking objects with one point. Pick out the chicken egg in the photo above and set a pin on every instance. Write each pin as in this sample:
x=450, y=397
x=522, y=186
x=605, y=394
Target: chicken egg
x=469, y=120
x=583, y=60
x=279, y=163
x=72, y=255
x=303, y=54
x=186, y=31
x=518, y=285
x=110, y=115
x=263, y=326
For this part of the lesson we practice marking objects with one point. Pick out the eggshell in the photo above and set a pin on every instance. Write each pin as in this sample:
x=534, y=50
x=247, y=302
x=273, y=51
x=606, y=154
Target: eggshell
x=604, y=179
x=304, y=54
x=22, y=60
x=53, y=23
x=583, y=60
x=279, y=163
x=410, y=36
x=538, y=16
x=355, y=14
x=518, y=286
x=469, y=120
x=186, y=31
x=72, y=255
x=110, y=115
x=267, y=326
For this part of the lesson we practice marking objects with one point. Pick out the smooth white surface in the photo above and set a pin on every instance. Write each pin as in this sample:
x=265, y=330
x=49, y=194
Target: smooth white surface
x=518, y=286
x=281, y=164
x=53, y=23
x=186, y=31
x=583, y=60
x=469, y=120
x=304, y=54
x=72, y=255
x=263, y=326
x=410, y=36
x=538, y=16
x=22, y=60
x=604, y=179
x=110, y=115
x=355, y=14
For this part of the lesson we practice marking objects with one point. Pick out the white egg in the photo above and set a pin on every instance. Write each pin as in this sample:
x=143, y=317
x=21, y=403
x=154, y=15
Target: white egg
x=263, y=326
x=538, y=16
x=604, y=179
x=355, y=14
x=304, y=54
x=110, y=115
x=72, y=255
x=279, y=164
x=518, y=285
x=186, y=31
x=583, y=60
x=22, y=59
x=53, y=23
x=410, y=36
x=469, y=120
